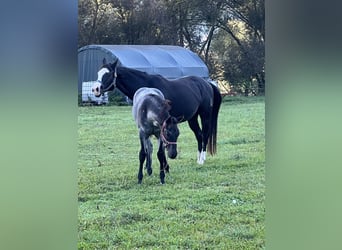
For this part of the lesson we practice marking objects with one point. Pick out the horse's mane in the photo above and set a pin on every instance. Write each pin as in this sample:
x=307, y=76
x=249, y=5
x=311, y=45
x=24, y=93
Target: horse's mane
x=167, y=105
x=164, y=108
x=139, y=76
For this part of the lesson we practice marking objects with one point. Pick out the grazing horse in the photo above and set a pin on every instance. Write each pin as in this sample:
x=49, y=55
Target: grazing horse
x=190, y=96
x=151, y=114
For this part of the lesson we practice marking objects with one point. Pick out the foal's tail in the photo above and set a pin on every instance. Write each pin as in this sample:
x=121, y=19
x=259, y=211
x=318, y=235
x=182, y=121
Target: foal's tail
x=214, y=117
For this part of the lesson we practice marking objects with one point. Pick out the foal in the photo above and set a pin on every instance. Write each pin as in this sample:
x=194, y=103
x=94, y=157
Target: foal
x=151, y=114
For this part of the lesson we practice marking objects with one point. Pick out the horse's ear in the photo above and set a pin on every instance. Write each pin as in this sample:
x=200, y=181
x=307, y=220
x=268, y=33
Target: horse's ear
x=167, y=104
x=174, y=120
x=113, y=65
x=180, y=118
x=104, y=61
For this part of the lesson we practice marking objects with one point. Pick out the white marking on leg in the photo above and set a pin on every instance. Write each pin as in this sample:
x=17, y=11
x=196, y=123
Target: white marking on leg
x=198, y=157
x=201, y=157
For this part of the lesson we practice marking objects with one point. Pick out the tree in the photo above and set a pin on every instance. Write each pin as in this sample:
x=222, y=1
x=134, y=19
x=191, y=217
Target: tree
x=92, y=19
x=228, y=34
x=250, y=62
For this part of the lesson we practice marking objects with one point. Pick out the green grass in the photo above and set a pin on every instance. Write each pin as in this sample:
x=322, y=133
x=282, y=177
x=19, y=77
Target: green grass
x=218, y=205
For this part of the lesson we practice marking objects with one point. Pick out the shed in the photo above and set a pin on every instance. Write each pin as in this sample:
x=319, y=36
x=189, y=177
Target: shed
x=169, y=61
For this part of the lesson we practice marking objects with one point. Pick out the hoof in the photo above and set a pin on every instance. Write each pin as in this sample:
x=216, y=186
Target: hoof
x=162, y=177
x=140, y=178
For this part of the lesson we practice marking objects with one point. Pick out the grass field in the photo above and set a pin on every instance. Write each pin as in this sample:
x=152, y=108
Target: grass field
x=218, y=205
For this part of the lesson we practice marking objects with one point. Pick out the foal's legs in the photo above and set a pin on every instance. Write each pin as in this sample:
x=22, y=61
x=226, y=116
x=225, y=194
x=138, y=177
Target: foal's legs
x=162, y=160
x=193, y=123
x=148, y=150
x=142, y=156
x=145, y=153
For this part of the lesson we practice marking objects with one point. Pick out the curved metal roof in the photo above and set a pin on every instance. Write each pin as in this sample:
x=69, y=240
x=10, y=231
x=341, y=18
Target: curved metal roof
x=169, y=61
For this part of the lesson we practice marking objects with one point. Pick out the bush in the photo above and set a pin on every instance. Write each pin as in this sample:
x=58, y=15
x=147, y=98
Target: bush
x=115, y=97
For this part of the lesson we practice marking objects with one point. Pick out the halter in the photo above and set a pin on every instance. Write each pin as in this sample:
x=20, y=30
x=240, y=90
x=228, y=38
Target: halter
x=113, y=83
x=162, y=136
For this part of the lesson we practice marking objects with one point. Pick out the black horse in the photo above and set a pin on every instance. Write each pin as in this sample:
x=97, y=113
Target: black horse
x=151, y=114
x=190, y=96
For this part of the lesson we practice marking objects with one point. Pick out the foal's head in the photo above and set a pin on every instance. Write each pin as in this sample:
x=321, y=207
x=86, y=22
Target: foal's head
x=169, y=134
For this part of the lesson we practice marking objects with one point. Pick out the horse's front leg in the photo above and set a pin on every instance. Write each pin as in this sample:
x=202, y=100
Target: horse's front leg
x=163, y=163
x=193, y=123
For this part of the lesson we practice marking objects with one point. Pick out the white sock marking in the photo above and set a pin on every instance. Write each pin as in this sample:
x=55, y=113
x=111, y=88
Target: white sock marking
x=201, y=156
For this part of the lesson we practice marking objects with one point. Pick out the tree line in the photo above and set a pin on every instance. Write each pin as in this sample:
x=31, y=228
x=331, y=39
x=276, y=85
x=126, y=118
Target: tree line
x=229, y=35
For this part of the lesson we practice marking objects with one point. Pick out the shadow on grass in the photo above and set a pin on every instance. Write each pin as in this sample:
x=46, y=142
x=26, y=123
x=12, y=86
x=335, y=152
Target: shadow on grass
x=239, y=141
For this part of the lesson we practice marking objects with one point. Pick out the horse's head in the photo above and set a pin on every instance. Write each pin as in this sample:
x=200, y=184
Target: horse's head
x=106, y=78
x=169, y=135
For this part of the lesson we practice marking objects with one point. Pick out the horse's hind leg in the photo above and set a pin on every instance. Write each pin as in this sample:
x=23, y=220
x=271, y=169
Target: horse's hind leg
x=193, y=123
x=149, y=149
x=206, y=130
x=142, y=155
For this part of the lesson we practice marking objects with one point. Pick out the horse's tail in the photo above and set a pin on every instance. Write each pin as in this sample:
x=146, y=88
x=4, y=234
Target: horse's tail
x=214, y=117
